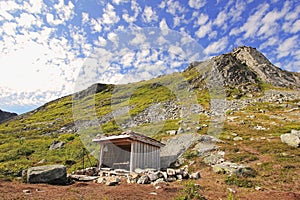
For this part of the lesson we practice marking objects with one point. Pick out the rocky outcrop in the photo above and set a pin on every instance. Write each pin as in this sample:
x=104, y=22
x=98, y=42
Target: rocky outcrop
x=6, y=115
x=264, y=69
x=51, y=174
x=175, y=147
x=291, y=139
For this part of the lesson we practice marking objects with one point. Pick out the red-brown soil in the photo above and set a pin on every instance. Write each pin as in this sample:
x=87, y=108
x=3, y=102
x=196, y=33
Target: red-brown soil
x=212, y=186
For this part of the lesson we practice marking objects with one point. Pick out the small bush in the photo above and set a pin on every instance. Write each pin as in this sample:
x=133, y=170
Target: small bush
x=190, y=191
x=239, y=181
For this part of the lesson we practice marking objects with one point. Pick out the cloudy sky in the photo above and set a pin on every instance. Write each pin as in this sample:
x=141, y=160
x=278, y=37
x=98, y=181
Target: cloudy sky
x=46, y=45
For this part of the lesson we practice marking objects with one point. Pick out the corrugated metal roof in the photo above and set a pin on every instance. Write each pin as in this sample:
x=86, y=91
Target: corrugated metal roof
x=132, y=136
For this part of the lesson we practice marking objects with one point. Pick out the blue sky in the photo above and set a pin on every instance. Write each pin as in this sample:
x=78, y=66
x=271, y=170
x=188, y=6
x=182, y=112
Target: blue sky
x=45, y=44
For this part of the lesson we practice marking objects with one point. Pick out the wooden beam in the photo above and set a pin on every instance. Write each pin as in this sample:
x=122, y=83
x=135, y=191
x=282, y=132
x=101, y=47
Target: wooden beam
x=100, y=156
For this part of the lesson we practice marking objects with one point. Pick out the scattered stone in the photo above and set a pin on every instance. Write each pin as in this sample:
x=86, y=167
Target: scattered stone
x=152, y=177
x=82, y=177
x=112, y=181
x=238, y=138
x=153, y=193
x=195, y=175
x=180, y=130
x=257, y=188
x=51, y=174
x=171, y=172
x=26, y=191
x=171, y=179
x=143, y=180
x=159, y=182
x=214, y=158
x=171, y=132
x=231, y=190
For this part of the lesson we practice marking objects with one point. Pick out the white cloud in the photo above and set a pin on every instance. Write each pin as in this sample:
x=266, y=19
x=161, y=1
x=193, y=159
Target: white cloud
x=204, y=30
x=287, y=46
x=269, y=24
x=96, y=25
x=109, y=15
x=270, y=42
x=252, y=24
x=164, y=27
x=174, y=7
x=136, y=10
x=296, y=26
x=197, y=4
x=217, y=46
x=120, y=1
x=149, y=14
x=202, y=19
x=221, y=18
x=85, y=18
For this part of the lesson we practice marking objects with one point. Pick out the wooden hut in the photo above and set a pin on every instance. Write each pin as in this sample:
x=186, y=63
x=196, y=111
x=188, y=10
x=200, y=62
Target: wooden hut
x=128, y=151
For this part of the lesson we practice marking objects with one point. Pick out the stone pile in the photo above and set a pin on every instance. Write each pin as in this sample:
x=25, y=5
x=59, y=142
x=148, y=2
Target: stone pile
x=221, y=166
x=147, y=176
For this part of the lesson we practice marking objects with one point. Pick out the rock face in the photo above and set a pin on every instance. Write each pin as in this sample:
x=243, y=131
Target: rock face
x=51, y=174
x=6, y=115
x=175, y=147
x=292, y=139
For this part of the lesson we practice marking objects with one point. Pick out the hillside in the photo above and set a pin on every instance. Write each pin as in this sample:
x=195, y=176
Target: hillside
x=238, y=94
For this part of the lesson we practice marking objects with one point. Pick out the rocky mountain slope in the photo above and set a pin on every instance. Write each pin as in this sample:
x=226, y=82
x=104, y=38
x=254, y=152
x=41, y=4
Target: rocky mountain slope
x=6, y=115
x=240, y=95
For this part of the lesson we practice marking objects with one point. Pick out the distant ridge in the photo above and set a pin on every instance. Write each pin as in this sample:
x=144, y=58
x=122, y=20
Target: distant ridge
x=6, y=115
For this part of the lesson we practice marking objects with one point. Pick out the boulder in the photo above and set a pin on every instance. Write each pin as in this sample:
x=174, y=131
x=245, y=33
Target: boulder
x=56, y=145
x=291, y=139
x=51, y=174
x=175, y=147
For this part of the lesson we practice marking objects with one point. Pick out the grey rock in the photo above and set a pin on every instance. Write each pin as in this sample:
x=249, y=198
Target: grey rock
x=159, y=182
x=195, y=175
x=180, y=130
x=290, y=139
x=171, y=132
x=171, y=172
x=152, y=177
x=296, y=132
x=175, y=147
x=171, y=179
x=144, y=180
x=112, y=181
x=238, y=138
x=52, y=174
x=82, y=177
x=56, y=145
x=214, y=158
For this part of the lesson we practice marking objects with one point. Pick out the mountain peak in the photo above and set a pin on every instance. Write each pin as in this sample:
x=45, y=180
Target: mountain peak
x=264, y=69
